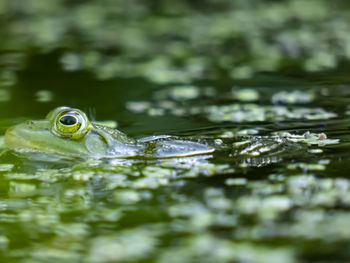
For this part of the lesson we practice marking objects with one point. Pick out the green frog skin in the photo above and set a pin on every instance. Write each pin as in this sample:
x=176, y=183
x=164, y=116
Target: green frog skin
x=68, y=133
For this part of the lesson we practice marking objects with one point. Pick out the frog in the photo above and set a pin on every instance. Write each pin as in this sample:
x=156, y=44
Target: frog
x=68, y=133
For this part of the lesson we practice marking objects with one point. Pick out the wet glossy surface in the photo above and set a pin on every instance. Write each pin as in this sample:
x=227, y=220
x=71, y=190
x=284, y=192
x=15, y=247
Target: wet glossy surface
x=92, y=141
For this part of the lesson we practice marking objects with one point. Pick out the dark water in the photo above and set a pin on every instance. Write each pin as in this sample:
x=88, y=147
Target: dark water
x=287, y=204
x=265, y=82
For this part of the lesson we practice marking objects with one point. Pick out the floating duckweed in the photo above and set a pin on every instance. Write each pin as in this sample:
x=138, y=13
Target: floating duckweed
x=216, y=199
x=2, y=144
x=45, y=175
x=126, y=197
x=277, y=177
x=117, y=169
x=347, y=112
x=319, y=139
x=152, y=171
x=265, y=188
x=22, y=189
x=166, y=104
x=270, y=206
x=248, y=132
x=44, y=96
x=110, y=215
x=90, y=59
x=236, y=113
x=104, y=215
x=187, y=210
x=244, y=164
x=128, y=245
x=246, y=95
x=242, y=72
x=199, y=216
x=298, y=184
x=315, y=150
x=156, y=112
x=7, y=78
x=107, y=70
x=307, y=167
x=268, y=201
x=293, y=97
x=82, y=175
x=248, y=205
x=208, y=169
x=320, y=61
x=116, y=181
x=8, y=218
x=74, y=230
x=150, y=183
x=218, y=142
x=184, y=92
x=307, y=224
x=227, y=134
x=327, y=199
x=178, y=112
x=4, y=95
x=254, y=112
x=71, y=61
x=201, y=220
x=236, y=181
x=191, y=52
x=40, y=218
x=324, y=161
x=161, y=71
x=196, y=248
x=6, y=167
x=11, y=62
x=74, y=193
x=308, y=221
x=4, y=242
x=138, y=106
x=45, y=254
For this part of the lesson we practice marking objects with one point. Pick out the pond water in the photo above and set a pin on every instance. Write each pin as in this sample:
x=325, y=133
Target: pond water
x=266, y=84
x=271, y=191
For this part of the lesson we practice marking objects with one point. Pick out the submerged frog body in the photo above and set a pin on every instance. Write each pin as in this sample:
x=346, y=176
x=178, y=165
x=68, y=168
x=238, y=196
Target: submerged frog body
x=67, y=132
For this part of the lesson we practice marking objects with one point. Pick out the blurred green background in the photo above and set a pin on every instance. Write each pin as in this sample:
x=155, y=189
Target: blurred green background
x=214, y=69
x=128, y=47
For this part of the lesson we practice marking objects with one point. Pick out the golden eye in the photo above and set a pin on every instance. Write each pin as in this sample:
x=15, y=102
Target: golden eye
x=69, y=123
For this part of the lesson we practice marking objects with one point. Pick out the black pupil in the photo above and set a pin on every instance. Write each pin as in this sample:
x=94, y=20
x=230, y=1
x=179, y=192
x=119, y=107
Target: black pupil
x=68, y=120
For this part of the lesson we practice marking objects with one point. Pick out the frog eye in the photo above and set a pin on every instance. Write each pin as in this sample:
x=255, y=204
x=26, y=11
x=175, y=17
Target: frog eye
x=68, y=120
x=69, y=123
